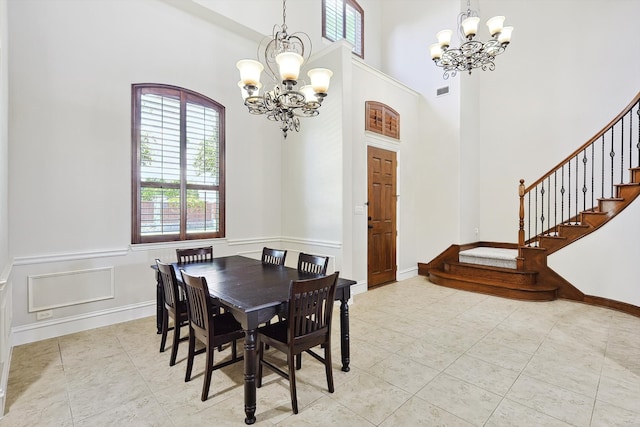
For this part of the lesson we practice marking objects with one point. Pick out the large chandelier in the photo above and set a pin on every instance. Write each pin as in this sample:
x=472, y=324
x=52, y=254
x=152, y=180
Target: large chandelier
x=283, y=54
x=471, y=53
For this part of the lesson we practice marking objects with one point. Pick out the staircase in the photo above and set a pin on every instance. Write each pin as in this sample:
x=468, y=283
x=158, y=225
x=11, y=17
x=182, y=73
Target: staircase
x=580, y=195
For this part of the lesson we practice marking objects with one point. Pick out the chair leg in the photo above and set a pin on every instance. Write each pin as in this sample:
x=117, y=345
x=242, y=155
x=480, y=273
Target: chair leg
x=207, y=373
x=176, y=342
x=192, y=350
x=292, y=384
x=165, y=328
x=328, y=366
x=260, y=355
x=299, y=361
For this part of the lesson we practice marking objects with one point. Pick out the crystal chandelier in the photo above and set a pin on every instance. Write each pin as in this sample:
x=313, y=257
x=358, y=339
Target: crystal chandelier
x=283, y=54
x=471, y=53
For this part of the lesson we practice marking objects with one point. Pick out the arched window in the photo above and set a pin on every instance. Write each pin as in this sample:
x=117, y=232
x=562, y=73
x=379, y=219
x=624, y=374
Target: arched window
x=344, y=19
x=178, y=188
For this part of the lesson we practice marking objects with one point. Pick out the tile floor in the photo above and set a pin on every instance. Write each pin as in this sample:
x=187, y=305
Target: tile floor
x=420, y=355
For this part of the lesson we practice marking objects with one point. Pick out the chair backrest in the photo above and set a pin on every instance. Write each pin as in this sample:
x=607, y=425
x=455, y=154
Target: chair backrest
x=314, y=264
x=172, y=294
x=194, y=254
x=311, y=308
x=197, y=302
x=273, y=256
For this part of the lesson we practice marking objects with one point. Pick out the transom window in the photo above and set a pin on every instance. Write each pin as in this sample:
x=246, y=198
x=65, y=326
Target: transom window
x=178, y=165
x=344, y=19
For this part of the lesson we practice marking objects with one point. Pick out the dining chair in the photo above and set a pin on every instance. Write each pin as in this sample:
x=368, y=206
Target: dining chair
x=186, y=255
x=273, y=256
x=315, y=264
x=213, y=330
x=308, y=325
x=175, y=307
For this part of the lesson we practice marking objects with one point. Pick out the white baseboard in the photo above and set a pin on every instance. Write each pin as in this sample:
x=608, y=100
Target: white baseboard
x=57, y=327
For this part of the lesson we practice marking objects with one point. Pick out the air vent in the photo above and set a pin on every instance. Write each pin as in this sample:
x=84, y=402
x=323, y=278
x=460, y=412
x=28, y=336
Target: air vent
x=442, y=91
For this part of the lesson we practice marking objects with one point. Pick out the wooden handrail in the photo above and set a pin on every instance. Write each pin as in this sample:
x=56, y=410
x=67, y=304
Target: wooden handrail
x=588, y=143
x=541, y=188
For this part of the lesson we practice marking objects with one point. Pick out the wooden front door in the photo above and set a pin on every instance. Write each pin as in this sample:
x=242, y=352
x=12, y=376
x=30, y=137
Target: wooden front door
x=382, y=216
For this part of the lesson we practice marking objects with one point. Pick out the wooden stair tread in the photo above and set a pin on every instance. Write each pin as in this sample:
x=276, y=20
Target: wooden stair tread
x=494, y=283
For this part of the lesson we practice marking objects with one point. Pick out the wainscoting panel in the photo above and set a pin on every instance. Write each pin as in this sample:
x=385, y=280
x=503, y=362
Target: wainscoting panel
x=47, y=291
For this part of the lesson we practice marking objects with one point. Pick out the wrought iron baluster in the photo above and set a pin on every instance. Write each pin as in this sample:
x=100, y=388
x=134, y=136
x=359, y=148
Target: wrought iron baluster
x=549, y=205
x=542, y=208
x=536, y=211
x=577, y=173
x=593, y=207
x=562, y=191
x=569, y=193
x=584, y=180
x=612, y=154
x=602, y=170
x=555, y=202
x=638, y=144
x=622, y=150
x=529, y=220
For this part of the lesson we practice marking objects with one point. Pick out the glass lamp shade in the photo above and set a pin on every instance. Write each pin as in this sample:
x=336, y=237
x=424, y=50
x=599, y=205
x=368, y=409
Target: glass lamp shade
x=309, y=93
x=436, y=51
x=495, y=24
x=505, y=35
x=320, y=78
x=470, y=26
x=289, y=65
x=444, y=38
x=244, y=92
x=250, y=71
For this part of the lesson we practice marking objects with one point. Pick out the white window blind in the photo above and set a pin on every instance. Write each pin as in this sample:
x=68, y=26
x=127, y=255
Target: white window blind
x=343, y=19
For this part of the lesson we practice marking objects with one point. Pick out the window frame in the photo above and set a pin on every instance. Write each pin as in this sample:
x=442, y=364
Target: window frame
x=185, y=96
x=355, y=6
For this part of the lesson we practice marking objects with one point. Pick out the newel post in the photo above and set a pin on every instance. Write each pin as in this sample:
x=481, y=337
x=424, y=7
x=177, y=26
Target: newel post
x=521, y=223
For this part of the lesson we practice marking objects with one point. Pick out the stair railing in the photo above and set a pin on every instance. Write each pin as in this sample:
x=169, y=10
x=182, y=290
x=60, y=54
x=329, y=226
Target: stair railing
x=588, y=174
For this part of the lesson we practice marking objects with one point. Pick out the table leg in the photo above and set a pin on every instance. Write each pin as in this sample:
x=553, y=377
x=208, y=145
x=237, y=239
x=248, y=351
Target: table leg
x=250, y=365
x=344, y=333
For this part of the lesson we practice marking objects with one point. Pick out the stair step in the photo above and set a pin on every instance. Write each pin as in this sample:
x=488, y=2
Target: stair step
x=507, y=290
x=494, y=257
x=493, y=275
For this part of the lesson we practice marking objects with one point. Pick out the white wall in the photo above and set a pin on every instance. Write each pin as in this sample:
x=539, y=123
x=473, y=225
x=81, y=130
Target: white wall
x=71, y=70
x=5, y=264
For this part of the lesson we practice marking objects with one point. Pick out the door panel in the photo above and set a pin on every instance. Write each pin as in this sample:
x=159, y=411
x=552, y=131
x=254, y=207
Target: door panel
x=382, y=216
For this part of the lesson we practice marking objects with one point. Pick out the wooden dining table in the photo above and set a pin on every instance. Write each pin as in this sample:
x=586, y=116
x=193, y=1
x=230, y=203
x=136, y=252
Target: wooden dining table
x=254, y=293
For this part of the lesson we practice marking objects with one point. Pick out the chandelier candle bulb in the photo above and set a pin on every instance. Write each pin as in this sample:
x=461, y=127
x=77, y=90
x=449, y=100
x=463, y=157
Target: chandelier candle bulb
x=505, y=35
x=436, y=51
x=289, y=65
x=495, y=25
x=309, y=94
x=470, y=26
x=250, y=71
x=444, y=38
x=320, y=78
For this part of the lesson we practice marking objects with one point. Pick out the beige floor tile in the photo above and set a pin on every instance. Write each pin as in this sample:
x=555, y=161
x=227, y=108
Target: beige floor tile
x=557, y=402
x=370, y=397
x=512, y=414
x=417, y=412
x=488, y=376
x=403, y=372
x=460, y=398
